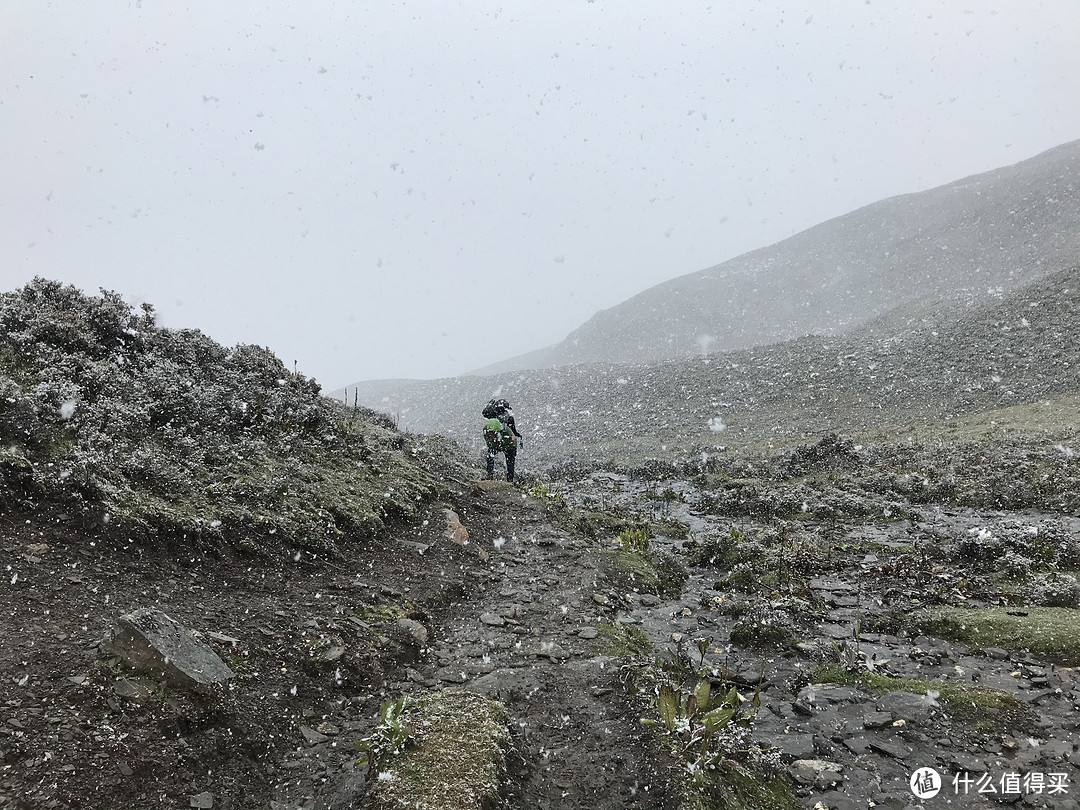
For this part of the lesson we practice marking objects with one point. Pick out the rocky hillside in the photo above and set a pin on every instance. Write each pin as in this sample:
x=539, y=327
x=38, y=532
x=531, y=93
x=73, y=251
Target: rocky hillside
x=921, y=254
x=167, y=434
x=1016, y=346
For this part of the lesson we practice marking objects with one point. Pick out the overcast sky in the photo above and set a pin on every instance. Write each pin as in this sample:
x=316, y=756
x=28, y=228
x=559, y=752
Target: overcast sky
x=417, y=189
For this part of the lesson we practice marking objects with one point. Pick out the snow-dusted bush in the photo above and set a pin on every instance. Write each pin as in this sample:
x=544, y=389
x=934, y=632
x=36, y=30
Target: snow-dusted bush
x=1055, y=590
x=174, y=431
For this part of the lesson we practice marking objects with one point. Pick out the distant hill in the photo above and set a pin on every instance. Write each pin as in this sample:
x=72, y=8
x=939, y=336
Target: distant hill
x=1011, y=347
x=913, y=255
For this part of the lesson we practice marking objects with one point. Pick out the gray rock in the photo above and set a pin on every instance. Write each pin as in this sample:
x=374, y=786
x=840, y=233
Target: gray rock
x=795, y=746
x=151, y=641
x=311, y=736
x=877, y=720
x=416, y=630
x=857, y=745
x=886, y=748
x=907, y=706
x=828, y=694
x=507, y=685
x=818, y=773
x=963, y=762
x=492, y=620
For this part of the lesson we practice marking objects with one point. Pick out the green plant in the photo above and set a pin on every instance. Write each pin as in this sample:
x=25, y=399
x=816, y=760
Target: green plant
x=546, y=495
x=635, y=539
x=693, y=721
x=389, y=737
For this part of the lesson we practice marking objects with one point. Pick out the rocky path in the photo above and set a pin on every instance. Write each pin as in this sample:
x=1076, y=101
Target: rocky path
x=491, y=593
x=847, y=746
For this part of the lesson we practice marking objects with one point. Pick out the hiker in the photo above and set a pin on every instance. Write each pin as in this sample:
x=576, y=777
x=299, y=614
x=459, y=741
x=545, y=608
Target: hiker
x=501, y=436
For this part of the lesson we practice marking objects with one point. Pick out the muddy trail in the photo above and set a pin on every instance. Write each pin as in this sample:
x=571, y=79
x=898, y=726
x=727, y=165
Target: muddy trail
x=572, y=604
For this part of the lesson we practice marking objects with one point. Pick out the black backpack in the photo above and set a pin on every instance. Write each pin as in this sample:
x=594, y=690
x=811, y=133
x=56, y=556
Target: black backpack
x=495, y=409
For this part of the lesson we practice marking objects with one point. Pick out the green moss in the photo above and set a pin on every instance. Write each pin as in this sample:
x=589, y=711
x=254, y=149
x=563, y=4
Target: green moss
x=381, y=614
x=454, y=758
x=595, y=525
x=962, y=700
x=623, y=640
x=1052, y=632
x=648, y=572
x=736, y=786
x=670, y=527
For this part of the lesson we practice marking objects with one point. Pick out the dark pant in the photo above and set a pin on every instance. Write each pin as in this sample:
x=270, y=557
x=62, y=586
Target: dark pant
x=511, y=457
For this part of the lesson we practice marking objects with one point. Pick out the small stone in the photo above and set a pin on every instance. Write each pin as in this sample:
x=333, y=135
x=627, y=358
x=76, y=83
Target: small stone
x=997, y=653
x=204, y=801
x=888, y=749
x=601, y=599
x=877, y=720
x=492, y=620
x=818, y=772
x=588, y=632
x=312, y=737
x=416, y=630
x=551, y=651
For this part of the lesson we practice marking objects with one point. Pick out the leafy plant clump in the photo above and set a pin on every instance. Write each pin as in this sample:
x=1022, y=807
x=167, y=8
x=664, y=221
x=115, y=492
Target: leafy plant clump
x=709, y=732
x=165, y=432
x=437, y=751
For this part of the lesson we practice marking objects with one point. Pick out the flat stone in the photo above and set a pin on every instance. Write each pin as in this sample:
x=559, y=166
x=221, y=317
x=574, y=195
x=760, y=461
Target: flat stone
x=312, y=737
x=877, y=720
x=492, y=620
x=601, y=599
x=889, y=749
x=965, y=762
x=588, y=632
x=149, y=640
x=817, y=772
x=203, y=801
x=829, y=694
x=907, y=705
x=857, y=745
x=797, y=746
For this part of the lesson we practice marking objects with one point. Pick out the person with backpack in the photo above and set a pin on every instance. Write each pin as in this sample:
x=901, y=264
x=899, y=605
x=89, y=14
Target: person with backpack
x=501, y=436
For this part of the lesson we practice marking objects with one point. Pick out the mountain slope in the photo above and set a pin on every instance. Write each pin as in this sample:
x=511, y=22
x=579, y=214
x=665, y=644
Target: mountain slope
x=1015, y=347
x=921, y=251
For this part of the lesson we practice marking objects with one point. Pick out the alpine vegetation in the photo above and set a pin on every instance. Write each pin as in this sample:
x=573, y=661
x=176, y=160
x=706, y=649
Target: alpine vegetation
x=163, y=432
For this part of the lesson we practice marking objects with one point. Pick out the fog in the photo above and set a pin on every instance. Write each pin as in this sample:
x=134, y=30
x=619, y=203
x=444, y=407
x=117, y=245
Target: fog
x=410, y=190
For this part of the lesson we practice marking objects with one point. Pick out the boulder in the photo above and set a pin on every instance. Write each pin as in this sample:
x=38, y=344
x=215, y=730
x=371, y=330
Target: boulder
x=153, y=642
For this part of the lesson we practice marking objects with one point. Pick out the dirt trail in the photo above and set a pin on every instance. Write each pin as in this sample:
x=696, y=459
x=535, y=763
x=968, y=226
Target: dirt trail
x=519, y=611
